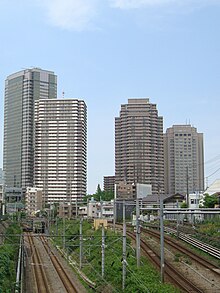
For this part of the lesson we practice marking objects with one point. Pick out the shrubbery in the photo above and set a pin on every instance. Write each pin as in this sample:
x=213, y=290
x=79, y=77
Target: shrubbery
x=8, y=259
x=144, y=279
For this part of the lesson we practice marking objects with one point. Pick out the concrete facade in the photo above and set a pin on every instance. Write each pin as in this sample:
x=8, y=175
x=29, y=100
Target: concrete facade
x=33, y=200
x=22, y=89
x=61, y=149
x=67, y=210
x=102, y=210
x=183, y=160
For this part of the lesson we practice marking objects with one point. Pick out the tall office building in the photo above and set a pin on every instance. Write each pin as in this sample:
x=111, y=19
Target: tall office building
x=139, y=145
x=22, y=89
x=60, y=149
x=184, y=160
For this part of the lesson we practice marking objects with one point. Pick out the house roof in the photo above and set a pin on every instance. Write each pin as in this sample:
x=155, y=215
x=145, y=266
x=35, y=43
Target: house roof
x=213, y=188
x=165, y=197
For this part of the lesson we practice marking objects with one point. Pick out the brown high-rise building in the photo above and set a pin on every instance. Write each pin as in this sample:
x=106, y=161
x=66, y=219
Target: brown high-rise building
x=184, y=160
x=139, y=145
x=109, y=183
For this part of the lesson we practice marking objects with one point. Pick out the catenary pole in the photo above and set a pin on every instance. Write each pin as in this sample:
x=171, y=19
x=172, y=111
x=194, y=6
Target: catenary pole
x=80, y=243
x=124, y=249
x=115, y=208
x=138, y=232
x=161, y=241
x=103, y=251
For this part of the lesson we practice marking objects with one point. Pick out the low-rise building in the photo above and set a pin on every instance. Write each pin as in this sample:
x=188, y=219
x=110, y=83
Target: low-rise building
x=33, y=200
x=214, y=188
x=92, y=209
x=14, y=207
x=67, y=210
x=82, y=211
x=13, y=194
x=125, y=190
x=101, y=210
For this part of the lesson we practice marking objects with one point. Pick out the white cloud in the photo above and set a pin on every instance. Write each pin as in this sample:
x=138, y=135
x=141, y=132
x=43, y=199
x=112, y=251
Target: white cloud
x=75, y=15
x=82, y=15
x=132, y=4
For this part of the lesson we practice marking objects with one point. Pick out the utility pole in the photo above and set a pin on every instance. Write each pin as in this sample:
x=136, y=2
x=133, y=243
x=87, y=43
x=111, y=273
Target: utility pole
x=137, y=232
x=115, y=208
x=76, y=209
x=22, y=265
x=56, y=228
x=114, y=215
x=187, y=185
x=161, y=241
x=64, y=228
x=103, y=251
x=124, y=249
x=101, y=208
x=80, y=243
x=177, y=221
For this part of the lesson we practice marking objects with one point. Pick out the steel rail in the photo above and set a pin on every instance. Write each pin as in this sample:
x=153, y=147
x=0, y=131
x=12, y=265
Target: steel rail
x=199, y=259
x=42, y=285
x=67, y=282
x=170, y=271
x=197, y=243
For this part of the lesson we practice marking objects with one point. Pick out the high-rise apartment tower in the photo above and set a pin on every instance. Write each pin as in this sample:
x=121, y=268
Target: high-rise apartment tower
x=183, y=160
x=22, y=89
x=139, y=145
x=60, y=149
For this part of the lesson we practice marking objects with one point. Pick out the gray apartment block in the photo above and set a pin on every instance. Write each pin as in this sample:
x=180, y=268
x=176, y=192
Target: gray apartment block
x=61, y=149
x=22, y=89
x=183, y=159
x=139, y=145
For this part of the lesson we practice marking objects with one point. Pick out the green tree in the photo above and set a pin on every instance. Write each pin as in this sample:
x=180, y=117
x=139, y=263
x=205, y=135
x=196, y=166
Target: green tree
x=99, y=192
x=101, y=195
x=184, y=205
x=210, y=201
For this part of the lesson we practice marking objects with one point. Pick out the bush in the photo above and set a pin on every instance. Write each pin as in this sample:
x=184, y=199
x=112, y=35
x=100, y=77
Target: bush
x=8, y=259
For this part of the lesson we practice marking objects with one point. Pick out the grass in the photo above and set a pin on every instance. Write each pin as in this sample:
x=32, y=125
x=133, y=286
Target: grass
x=143, y=279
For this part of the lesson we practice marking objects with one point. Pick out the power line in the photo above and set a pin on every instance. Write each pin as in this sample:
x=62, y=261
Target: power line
x=213, y=173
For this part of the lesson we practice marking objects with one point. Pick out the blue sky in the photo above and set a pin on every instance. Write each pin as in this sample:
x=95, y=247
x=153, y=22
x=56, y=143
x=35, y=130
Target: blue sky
x=105, y=51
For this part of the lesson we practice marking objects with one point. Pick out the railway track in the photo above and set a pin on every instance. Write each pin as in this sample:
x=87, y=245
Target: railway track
x=170, y=272
x=41, y=282
x=213, y=251
x=67, y=282
x=183, y=249
x=41, y=279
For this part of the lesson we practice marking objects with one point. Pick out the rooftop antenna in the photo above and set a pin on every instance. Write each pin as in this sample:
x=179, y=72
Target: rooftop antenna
x=63, y=94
